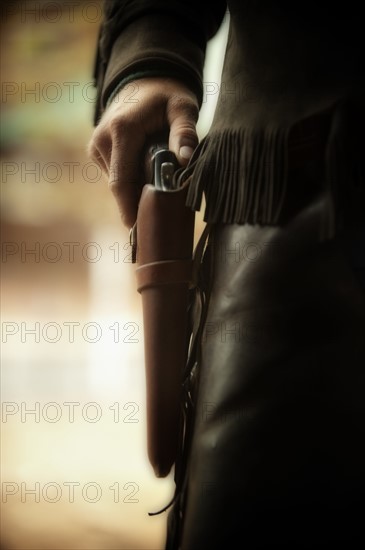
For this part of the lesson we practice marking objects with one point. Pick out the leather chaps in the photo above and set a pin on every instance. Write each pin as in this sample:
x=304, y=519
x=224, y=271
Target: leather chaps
x=274, y=451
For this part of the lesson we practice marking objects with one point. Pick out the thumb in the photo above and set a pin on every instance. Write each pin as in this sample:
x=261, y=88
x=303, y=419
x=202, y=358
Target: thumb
x=183, y=137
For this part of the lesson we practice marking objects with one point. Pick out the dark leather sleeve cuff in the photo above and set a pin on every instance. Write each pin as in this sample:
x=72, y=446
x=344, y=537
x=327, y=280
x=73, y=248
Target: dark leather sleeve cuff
x=152, y=43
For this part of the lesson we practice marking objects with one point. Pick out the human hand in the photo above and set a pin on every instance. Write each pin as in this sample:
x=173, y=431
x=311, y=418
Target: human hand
x=141, y=113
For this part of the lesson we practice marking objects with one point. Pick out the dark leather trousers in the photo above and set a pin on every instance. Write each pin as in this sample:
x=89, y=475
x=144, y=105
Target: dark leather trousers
x=277, y=454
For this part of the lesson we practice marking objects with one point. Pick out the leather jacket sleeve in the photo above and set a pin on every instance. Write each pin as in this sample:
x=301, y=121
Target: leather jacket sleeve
x=147, y=37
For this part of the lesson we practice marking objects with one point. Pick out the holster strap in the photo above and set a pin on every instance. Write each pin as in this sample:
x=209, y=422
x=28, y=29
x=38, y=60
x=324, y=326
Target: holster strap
x=163, y=273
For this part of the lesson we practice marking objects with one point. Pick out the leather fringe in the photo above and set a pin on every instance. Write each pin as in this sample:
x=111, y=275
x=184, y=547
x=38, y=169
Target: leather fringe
x=243, y=173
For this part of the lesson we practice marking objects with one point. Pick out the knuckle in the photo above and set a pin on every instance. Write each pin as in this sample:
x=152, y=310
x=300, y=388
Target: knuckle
x=114, y=186
x=94, y=155
x=180, y=105
x=99, y=142
x=186, y=128
x=121, y=123
x=116, y=125
x=92, y=151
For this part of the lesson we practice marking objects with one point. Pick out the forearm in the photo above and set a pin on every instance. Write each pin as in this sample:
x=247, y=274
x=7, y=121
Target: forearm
x=148, y=38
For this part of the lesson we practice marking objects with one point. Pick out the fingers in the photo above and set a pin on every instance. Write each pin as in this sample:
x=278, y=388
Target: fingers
x=96, y=149
x=120, y=142
x=116, y=146
x=126, y=173
x=182, y=117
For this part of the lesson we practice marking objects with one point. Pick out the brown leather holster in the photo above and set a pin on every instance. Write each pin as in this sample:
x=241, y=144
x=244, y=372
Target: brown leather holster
x=164, y=235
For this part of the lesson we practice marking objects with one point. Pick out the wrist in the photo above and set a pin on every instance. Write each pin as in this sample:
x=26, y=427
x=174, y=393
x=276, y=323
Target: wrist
x=138, y=75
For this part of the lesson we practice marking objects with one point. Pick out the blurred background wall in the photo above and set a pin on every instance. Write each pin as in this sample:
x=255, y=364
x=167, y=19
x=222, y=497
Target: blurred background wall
x=74, y=471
